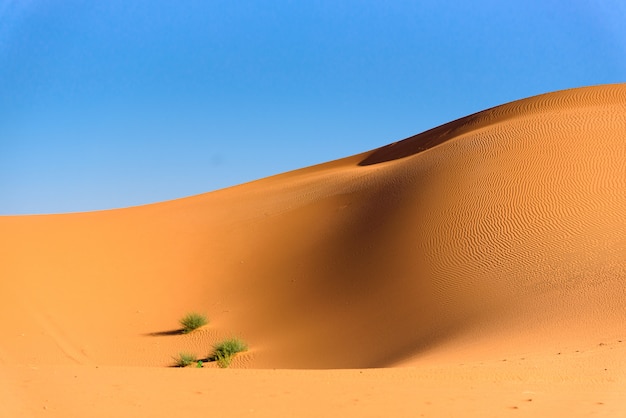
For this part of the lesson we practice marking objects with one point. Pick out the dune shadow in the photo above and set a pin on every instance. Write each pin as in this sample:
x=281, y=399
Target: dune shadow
x=420, y=142
x=179, y=331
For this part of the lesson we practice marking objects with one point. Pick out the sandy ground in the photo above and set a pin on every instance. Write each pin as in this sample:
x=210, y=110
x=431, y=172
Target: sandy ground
x=476, y=269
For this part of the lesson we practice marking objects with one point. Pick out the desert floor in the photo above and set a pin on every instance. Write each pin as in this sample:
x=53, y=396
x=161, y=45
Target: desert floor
x=476, y=269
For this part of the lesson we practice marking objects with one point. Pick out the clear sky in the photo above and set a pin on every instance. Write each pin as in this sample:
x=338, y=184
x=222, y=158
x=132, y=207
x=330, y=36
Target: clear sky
x=116, y=103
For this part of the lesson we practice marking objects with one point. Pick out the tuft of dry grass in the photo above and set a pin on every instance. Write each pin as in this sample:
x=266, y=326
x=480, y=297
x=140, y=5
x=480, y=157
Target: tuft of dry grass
x=224, y=351
x=192, y=321
x=185, y=359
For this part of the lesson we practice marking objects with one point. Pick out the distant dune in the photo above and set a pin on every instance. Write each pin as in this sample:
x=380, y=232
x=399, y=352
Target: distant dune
x=496, y=238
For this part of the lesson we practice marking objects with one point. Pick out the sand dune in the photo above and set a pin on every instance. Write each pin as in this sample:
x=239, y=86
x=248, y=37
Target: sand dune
x=497, y=236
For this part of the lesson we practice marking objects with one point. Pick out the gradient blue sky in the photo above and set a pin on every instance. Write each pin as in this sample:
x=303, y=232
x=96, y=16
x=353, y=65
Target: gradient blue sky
x=107, y=104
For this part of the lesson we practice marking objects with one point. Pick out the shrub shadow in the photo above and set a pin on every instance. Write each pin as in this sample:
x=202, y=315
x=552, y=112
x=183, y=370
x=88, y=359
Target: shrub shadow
x=209, y=359
x=179, y=331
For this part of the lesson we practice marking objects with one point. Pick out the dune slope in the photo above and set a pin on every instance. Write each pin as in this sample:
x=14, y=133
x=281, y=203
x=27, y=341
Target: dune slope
x=500, y=232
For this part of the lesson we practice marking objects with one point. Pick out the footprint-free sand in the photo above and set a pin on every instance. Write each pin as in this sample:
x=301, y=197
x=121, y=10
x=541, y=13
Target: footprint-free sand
x=475, y=269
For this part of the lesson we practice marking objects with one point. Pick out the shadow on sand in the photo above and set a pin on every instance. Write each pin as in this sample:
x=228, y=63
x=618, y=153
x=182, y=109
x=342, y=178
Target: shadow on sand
x=166, y=333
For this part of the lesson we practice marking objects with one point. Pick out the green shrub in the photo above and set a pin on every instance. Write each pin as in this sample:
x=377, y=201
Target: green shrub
x=185, y=359
x=192, y=321
x=224, y=351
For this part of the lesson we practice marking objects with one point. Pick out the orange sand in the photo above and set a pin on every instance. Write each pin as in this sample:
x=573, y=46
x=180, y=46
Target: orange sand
x=476, y=269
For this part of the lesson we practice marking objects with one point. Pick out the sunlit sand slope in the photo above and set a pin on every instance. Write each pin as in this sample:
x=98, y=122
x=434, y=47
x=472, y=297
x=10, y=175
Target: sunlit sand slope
x=501, y=232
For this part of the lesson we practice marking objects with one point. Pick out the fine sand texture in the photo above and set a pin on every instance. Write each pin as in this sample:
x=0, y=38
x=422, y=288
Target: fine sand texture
x=475, y=269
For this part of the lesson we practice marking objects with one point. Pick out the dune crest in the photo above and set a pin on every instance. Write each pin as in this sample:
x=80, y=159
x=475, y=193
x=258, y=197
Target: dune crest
x=509, y=229
x=560, y=100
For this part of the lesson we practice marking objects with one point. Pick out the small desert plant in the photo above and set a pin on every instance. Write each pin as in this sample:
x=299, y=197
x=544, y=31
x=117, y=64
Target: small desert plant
x=224, y=351
x=185, y=359
x=192, y=321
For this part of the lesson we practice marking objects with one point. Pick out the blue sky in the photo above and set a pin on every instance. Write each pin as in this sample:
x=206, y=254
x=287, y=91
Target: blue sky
x=121, y=103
